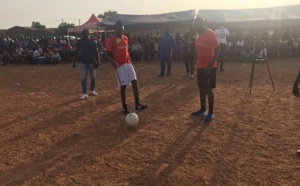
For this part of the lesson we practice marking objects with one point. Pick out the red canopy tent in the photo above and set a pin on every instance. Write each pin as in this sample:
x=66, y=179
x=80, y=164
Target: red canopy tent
x=92, y=25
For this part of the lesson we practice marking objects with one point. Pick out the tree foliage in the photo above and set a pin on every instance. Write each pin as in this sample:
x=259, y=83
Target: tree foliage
x=63, y=28
x=106, y=13
x=37, y=25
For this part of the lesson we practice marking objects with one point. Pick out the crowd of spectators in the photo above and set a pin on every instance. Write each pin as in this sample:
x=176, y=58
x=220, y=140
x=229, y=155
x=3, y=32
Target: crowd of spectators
x=31, y=50
x=145, y=47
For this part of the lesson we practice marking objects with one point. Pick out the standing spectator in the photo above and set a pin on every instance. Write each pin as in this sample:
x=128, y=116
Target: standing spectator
x=207, y=50
x=240, y=46
x=295, y=45
x=89, y=62
x=167, y=45
x=222, y=34
x=136, y=50
x=189, y=52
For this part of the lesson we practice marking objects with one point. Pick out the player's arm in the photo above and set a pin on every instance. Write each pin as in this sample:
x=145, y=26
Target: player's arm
x=296, y=85
x=77, y=55
x=214, y=43
x=215, y=57
x=109, y=57
x=108, y=53
x=174, y=44
x=96, y=55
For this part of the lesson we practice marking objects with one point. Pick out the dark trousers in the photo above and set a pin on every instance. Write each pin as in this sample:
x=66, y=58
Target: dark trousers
x=163, y=61
x=189, y=62
x=221, y=58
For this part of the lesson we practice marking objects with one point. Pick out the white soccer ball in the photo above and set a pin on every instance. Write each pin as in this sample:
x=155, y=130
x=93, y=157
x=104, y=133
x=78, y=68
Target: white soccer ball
x=132, y=119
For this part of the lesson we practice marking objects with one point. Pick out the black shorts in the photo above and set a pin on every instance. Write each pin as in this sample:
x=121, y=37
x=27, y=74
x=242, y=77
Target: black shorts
x=207, y=83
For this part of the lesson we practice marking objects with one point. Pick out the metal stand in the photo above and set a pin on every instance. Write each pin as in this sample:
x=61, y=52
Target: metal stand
x=252, y=73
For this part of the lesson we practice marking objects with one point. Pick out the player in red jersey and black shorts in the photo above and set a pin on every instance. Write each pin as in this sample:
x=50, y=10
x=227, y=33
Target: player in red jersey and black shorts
x=207, y=51
x=117, y=54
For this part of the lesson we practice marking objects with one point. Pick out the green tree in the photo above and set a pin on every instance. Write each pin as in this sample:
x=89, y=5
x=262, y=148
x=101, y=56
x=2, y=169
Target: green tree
x=106, y=13
x=63, y=28
x=37, y=25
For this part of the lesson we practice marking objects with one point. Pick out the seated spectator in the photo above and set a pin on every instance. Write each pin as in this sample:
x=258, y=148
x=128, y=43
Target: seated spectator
x=27, y=55
x=48, y=55
x=247, y=55
x=35, y=55
x=19, y=51
x=40, y=49
x=66, y=46
x=56, y=57
x=260, y=51
x=6, y=57
x=18, y=56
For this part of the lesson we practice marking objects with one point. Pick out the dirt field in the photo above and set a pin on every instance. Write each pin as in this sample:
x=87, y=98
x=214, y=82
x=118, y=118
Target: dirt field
x=49, y=137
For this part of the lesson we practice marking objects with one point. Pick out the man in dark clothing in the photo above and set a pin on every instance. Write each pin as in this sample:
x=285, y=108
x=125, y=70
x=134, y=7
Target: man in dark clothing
x=89, y=61
x=189, y=52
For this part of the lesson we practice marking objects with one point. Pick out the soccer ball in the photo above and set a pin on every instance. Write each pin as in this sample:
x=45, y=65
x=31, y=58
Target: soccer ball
x=132, y=119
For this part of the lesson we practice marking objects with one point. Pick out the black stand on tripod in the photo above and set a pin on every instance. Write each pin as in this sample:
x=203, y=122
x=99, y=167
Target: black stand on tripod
x=253, y=69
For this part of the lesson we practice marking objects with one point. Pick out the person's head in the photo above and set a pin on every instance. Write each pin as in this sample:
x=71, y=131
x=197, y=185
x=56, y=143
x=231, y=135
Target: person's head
x=119, y=28
x=167, y=31
x=199, y=24
x=85, y=33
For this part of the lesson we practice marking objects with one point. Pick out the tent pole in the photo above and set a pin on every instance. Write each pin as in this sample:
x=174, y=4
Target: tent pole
x=68, y=36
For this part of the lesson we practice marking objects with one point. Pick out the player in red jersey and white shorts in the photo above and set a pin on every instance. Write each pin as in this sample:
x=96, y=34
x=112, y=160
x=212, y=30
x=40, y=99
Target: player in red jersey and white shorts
x=117, y=54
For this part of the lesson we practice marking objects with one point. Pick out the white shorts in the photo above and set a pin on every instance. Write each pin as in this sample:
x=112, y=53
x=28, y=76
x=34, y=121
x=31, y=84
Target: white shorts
x=125, y=74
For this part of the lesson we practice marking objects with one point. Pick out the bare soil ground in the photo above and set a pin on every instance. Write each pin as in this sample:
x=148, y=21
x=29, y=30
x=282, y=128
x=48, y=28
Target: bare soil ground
x=49, y=137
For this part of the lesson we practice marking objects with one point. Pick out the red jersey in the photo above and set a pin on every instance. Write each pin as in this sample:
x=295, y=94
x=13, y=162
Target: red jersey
x=119, y=48
x=205, y=48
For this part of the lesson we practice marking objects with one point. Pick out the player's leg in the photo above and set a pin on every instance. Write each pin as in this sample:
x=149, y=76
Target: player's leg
x=169, y=66
x=222, y=56
x=84, y=73
x=122, y=82
x=135, y=89
x=211, y=100
x=202, y=93
x=92, y=72
x=191, y=64
x=123, y=99
x=131, y=78
x=210, y=95
x=187, y=64
x=162, y=66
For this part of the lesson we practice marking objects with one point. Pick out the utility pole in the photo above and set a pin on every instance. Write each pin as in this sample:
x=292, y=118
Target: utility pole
x=79, y=21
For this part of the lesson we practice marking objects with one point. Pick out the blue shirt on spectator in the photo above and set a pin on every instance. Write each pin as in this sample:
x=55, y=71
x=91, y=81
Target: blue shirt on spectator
x=167, y=44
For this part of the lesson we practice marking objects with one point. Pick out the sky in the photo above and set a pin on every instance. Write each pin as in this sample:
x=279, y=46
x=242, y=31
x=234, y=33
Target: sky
x=52, y=13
